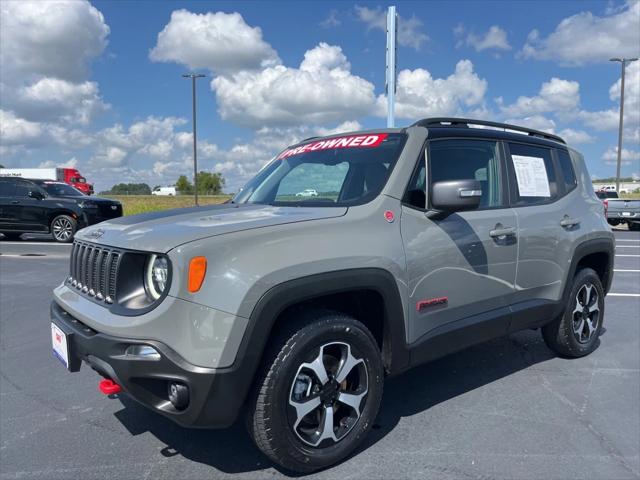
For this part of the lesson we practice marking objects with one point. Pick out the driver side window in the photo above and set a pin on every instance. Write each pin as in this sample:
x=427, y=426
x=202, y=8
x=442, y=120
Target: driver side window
x=468, y=160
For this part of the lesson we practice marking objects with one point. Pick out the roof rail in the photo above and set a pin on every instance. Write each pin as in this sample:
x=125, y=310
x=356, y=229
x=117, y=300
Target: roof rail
x=466, y=122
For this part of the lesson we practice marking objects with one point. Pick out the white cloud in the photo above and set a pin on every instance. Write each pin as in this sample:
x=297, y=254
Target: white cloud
x=409, y=29
x=50, y=38
x=537, y=122
x=576, y=137
x=53, y=99
x=16, y=131
x=332, y=20
x=494, y=39
x=556, y=95
x=322, y=90
x=220, y=42
x=587, y=38
x=610, y=156
x=71, y=163
x=420, y=95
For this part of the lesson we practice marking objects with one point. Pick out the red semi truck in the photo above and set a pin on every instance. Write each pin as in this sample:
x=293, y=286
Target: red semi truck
x=70, y=176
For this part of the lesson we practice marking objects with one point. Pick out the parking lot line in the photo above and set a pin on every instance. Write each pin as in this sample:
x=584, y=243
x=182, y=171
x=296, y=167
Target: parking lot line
x=623, y=294
x=624, y=270
x=627, y=255
x=626, y=240
x=37, y=243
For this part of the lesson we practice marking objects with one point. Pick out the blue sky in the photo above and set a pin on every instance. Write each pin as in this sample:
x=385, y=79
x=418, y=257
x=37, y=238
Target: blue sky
x=98, y=85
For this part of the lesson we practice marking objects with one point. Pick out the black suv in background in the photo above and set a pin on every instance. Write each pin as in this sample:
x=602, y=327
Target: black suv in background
x=47, y=206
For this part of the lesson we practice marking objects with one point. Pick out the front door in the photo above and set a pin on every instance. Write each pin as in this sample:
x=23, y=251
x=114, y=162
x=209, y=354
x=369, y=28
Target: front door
x=462, y=264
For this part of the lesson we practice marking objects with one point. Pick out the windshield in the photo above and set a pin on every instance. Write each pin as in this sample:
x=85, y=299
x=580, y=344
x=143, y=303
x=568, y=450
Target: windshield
x=61, y=190
x=340, y=171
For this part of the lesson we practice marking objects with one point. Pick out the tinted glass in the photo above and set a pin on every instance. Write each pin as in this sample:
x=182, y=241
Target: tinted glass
x=535, y=176
x=468, y=160
x=566, y=166
x=327, y=172
x=7, y=188
x=23, y=189
x=416, y=191
x=61, y=190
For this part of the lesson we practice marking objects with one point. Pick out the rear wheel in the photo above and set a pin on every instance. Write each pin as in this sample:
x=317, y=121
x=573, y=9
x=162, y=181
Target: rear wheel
x=613, y=222
x=576, y=332
x=634, y=227
x=63, y=228
x=320, y=393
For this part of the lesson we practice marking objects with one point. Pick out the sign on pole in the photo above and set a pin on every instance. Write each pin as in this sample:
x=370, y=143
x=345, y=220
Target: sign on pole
x=391, y=64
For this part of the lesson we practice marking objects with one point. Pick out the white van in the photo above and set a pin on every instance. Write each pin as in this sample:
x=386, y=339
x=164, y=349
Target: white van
x=164, y=191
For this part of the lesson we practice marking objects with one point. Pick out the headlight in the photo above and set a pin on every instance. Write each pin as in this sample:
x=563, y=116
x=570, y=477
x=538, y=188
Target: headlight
x=157, y=275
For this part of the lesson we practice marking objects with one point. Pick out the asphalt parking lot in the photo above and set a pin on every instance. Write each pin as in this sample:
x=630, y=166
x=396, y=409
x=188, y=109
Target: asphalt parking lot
x=504, y=409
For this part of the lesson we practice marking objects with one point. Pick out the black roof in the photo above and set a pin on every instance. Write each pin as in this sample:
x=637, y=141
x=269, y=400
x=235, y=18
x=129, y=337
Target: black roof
x=464, y=127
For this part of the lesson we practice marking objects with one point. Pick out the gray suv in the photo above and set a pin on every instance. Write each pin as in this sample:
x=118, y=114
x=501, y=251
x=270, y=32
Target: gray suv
x=291, y=310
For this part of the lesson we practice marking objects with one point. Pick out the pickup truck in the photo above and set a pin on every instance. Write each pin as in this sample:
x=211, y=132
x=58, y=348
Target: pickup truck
x=621, y=210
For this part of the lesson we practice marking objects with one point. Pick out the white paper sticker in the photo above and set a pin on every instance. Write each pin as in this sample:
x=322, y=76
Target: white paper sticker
x=532, y=176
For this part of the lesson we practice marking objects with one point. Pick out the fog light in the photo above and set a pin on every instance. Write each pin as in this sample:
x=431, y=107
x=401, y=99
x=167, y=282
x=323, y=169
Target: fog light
x=178, y=395
x=142, y=352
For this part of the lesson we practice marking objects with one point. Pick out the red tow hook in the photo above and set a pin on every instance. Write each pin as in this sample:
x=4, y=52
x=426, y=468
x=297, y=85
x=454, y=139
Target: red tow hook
x=109, y=387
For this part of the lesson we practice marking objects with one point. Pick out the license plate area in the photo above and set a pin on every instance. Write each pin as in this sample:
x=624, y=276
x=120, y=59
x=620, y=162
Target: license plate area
x=626, y=214
x=60, y=345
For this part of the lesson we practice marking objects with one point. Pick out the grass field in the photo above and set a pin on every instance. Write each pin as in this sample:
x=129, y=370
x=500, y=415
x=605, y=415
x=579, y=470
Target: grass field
x=134, y=204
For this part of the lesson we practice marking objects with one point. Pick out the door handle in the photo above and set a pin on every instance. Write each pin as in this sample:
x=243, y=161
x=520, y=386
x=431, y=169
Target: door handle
x=15, y=202
x=502, y=232
x=568, y=222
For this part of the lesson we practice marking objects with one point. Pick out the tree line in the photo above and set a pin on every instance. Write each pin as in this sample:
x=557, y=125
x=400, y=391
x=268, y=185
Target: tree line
x=208, y=184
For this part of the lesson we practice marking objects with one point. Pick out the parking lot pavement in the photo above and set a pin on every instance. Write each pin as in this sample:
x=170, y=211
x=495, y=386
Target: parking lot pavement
x=503, y=409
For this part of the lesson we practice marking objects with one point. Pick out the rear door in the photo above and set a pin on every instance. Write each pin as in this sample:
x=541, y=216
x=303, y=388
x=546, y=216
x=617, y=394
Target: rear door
x=462, y=264
x=548, y=218
x=29, y=214
x=7, y=190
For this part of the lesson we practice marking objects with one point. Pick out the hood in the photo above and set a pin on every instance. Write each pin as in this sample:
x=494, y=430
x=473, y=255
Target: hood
x=162, y=231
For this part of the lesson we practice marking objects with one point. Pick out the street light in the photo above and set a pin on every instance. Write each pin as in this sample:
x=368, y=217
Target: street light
x=193, y=77
x=623, y=62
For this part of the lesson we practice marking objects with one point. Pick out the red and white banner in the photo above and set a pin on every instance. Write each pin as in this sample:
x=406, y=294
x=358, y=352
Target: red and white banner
x=354, y=141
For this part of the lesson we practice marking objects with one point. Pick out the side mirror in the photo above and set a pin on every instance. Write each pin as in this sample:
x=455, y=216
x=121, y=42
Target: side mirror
x=456, y=195
x=36, y=194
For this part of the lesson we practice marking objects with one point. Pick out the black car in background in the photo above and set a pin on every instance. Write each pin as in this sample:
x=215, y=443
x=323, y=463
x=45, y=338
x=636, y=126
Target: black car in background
x=47, y=206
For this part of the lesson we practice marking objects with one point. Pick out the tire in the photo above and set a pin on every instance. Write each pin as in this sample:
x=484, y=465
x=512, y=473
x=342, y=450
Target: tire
x=63, y=228
x=613, y=223
x=575, y=333
x=634, y=227
x=291, y=375
x=12, y=236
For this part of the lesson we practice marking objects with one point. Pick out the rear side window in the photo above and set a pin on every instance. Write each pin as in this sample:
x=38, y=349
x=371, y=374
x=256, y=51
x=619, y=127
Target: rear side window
x=568, y=175
x=534, y=174
x=7, y=188
x=22, y=189
x=468, y=160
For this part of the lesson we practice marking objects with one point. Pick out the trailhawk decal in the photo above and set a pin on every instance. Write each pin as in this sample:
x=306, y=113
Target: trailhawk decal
x=353, y=141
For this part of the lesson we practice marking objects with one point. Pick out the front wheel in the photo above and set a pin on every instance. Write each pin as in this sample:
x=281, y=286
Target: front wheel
x=320, y=393
x=63, y=228
x=576, y=332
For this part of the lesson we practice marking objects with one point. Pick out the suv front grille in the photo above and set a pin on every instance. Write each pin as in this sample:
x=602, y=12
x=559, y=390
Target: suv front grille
x=94, y=269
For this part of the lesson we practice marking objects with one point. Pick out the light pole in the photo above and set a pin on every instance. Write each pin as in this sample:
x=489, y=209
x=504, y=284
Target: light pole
x=193, y=77
x=623, y=62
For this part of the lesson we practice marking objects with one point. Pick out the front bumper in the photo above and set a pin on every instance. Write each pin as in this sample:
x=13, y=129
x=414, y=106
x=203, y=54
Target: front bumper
x=215, y=395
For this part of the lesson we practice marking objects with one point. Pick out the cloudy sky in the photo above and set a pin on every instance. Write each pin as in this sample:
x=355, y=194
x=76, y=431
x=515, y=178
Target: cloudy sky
x=98, y=85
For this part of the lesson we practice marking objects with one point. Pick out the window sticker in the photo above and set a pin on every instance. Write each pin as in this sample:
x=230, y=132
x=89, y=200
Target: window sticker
x=370, y=140
x=531, y=174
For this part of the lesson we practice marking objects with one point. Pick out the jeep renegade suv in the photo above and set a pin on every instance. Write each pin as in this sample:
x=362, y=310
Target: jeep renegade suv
x=292, y=309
